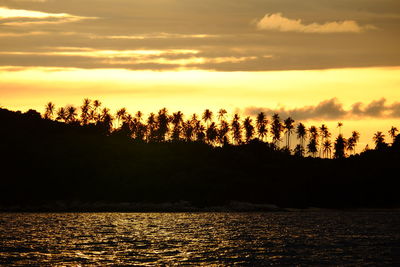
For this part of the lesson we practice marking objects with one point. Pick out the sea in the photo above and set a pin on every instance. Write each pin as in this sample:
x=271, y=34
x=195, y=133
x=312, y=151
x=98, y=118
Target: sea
x=298, y=238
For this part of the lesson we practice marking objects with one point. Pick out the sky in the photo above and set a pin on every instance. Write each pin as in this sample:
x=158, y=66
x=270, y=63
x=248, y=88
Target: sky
x=318, y=61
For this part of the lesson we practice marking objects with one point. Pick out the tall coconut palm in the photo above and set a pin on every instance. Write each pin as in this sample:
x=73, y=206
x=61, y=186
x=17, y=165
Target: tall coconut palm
x=355, y=137
x=313, y=141
x=85, y=111
x=236, y=129
x=187, y=130
x=340, y=147
x=327, y=148
x=312, y=147
x=248, y=128
x=71, y=114
x=393, y=133
x=163, y=121
x=301, y=132
x=325, y=134
x=261, y=125
x=120, y=116
x=212, y=133
x=61, y=114
x=288, y=126
x=94, y=114
x=207, y=116
x=221, y=114
x=223, y=132
x=106, y=120
x=49, y=111
x=176, y=120
x=276, y=129
x=151, y=127
x=379, y=139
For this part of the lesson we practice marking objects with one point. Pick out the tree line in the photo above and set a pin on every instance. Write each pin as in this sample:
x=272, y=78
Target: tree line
x=165, y=127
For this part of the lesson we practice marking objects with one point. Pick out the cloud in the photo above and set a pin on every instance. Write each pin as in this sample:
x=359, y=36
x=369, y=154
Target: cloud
x=332, y=109
x=277, y=22
x=21, y=17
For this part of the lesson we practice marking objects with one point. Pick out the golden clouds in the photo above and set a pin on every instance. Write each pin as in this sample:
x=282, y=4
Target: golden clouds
x=277, y=22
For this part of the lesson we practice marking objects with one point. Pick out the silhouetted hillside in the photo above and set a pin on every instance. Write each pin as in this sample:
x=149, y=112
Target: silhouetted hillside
x=44, y=162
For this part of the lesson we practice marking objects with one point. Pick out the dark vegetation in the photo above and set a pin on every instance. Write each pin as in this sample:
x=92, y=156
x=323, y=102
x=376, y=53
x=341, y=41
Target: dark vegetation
x=64, y=157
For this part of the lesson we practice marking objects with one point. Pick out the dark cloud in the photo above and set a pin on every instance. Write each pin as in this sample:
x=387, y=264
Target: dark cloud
x=332, y=109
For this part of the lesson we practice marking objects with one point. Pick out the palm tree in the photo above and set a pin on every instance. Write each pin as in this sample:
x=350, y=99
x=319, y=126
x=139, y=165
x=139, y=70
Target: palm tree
x=313, y=142
x=71, y=114
x=223, y=132
x=151, y=127
x=177, y=120
x=94, y=116
x=325, y=134
x=351, y=144
x=353, y=140
x=85, y=111
x=187, y=130
x=61, y=114
x=276, y=129
x=105, y=120
x=393, y=133
x=49, y=111
x=301, y=133
x=379, y=139
x=163, y=121
x=207, y=116
x=221, y=114
x=249, y=129
x=312, y=147
x=120, y=115
x=288, y=125
x=327, y=145
x=340, y=147
x=212, y=133
x=236, y=129
x=261, y=124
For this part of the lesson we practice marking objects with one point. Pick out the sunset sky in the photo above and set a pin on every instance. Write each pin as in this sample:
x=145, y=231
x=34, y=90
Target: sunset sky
x=318, y=61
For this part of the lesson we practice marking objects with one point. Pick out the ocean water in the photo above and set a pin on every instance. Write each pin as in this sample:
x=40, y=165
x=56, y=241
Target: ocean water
x=252, y=239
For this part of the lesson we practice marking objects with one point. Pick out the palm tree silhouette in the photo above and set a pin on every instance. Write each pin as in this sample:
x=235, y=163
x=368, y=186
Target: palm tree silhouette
x=249, y=129
x=151, y=128
x=120, y=116
x=288, y=125
x=177, y=120
x=187, y=130
x=379, y=139
x=325, y=134
x=94, y=115
x=393, y=133
x=71, y=114
x=340, y=147
x=313, y=142
x=221, y=114
x=207, y=116
x=212, y=133
x=352, y=141
x=236, y=129
x=223, y=132
x=327, y=148
x=61, y=114
x=276, y=129
x=261, y=124
x=301, y=133
x=49, y=111
x=85, y=111
x=163, y=121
